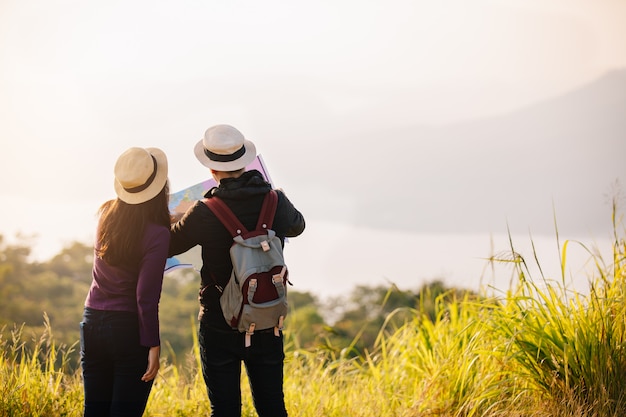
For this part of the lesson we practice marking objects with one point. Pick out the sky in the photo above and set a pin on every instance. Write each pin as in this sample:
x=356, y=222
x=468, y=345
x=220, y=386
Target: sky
x=308, y=82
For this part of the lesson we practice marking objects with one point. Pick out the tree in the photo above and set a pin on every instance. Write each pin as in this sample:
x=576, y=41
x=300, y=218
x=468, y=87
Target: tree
x=360, y=317
x=304, y=323
x=74, y=261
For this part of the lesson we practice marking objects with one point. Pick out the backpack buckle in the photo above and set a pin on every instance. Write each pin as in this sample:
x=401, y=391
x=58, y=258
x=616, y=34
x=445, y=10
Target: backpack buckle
x=279, y=327
x=249, y=333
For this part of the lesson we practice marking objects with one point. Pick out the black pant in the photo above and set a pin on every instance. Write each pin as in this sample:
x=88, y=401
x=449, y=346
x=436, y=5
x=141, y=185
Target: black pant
x=113, y=363
x=222, y=353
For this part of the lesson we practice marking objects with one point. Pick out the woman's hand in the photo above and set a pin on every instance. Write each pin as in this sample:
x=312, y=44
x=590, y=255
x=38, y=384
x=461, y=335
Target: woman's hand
x=153, y=364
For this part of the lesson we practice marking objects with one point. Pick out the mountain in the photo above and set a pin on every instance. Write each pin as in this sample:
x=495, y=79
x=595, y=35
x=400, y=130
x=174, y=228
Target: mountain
x=560, y=158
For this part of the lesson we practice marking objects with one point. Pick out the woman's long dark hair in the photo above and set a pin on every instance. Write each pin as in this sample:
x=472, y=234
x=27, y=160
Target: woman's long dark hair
x=122, y=225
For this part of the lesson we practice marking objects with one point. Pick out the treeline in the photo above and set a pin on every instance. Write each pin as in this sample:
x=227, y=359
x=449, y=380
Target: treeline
x=30, y=291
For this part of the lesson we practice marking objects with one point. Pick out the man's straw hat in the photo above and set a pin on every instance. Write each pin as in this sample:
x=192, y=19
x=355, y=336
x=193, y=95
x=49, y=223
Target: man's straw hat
x=224, y=148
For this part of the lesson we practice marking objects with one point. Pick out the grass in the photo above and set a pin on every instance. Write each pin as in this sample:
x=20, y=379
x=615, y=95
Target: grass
x=537, y=350
x=34, y=382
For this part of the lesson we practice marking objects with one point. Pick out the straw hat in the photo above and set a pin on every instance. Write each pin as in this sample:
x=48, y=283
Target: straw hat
x=140, y=174
x=224, y=148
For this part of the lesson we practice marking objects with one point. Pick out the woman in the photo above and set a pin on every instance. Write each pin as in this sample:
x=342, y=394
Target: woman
x=120, y=343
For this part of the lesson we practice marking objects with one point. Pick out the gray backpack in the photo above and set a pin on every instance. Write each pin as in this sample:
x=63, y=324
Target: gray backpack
x=255, y=297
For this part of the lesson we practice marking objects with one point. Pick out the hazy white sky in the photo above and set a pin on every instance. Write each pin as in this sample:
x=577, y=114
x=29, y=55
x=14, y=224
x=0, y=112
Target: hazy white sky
x=82, y=81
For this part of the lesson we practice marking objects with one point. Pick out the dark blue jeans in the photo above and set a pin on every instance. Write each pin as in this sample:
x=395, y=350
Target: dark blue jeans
x=113, y=363
x=222, y=353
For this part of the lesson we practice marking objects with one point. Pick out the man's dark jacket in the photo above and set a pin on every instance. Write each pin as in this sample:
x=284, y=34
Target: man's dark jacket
x=199, y=226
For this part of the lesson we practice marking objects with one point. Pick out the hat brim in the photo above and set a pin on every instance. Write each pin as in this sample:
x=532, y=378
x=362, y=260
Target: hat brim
x=159, y=181
x=235, y=165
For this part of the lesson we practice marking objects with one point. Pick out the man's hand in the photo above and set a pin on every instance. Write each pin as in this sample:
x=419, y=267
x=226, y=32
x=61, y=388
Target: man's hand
x=181, y=209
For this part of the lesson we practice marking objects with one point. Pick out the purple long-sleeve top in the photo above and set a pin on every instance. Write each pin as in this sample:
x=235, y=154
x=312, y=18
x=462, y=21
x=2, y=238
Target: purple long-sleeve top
x=117, y=289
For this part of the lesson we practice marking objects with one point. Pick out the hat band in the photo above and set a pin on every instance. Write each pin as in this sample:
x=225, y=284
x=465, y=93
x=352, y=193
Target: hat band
x=225, y=158
x=146, y=184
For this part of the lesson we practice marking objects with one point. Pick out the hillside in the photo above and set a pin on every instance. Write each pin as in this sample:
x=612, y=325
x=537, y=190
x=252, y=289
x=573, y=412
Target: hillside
x=564, y=154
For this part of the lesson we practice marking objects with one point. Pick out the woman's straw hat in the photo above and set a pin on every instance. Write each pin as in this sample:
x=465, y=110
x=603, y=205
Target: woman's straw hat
x=140, y=174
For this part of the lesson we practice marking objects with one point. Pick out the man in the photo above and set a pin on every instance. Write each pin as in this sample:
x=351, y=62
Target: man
x=226, y=152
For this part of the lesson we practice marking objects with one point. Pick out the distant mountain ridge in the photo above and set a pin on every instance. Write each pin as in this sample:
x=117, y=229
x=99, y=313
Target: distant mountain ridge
x=562, y=154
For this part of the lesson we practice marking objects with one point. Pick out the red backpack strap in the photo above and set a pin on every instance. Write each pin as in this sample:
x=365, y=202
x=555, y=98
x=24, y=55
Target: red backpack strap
x=232, y=223
x=268, y=210
x=226, y=216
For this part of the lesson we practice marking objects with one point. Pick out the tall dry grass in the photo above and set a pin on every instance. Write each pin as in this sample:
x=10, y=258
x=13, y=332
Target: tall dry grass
x=536, y=350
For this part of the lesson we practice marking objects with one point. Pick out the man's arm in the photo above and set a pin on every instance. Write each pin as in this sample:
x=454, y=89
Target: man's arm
x=290, y=218
x=183, y=233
